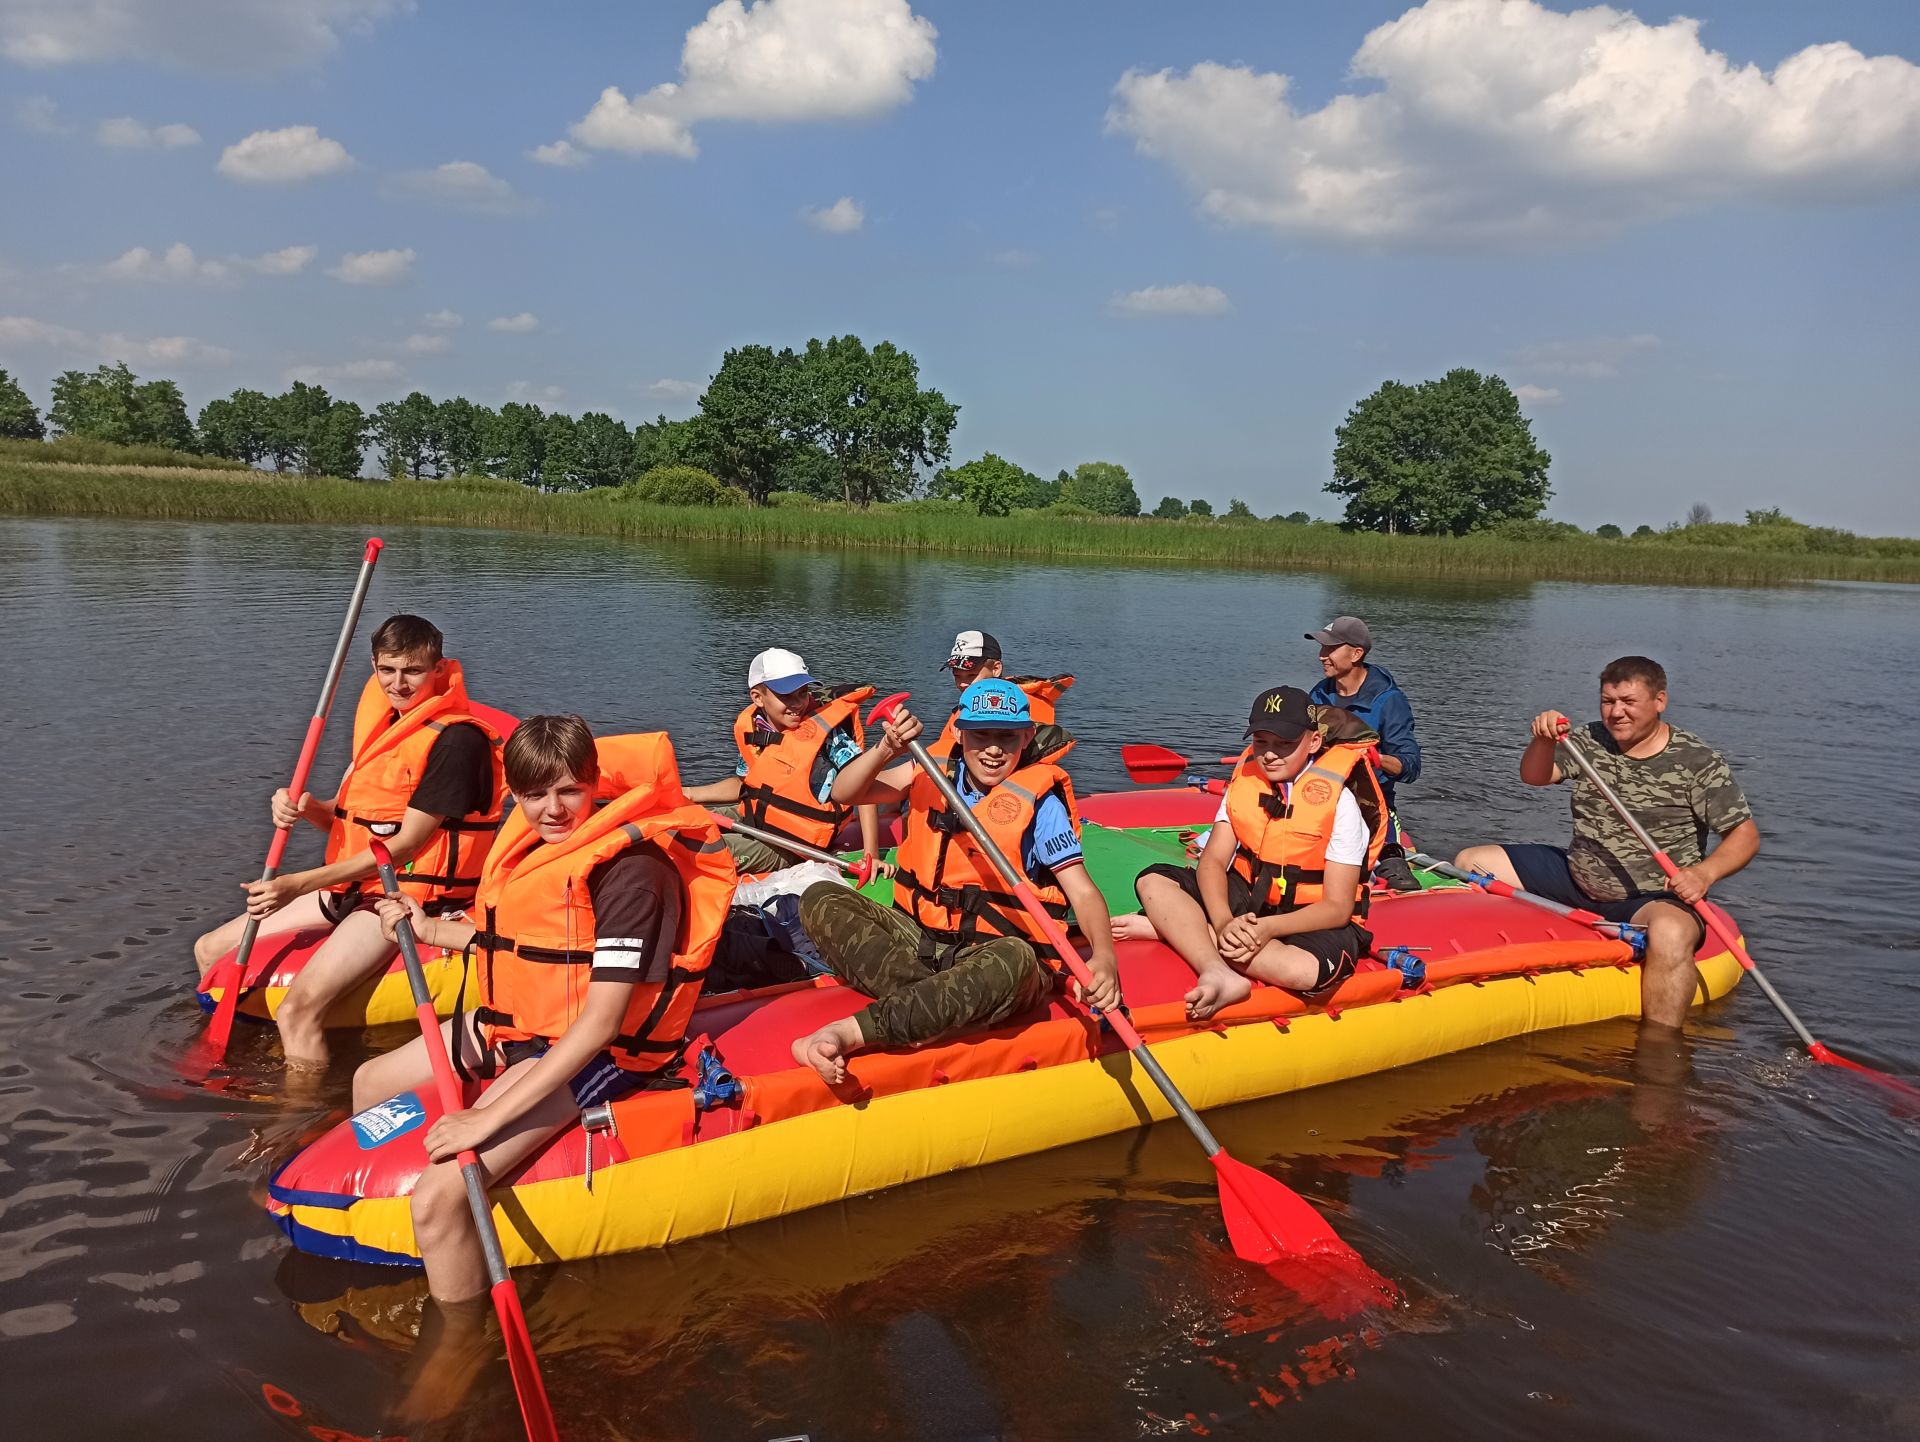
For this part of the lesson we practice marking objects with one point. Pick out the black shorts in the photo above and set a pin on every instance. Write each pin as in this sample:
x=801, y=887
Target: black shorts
x=337, y=906
x=1544, y=871
x=601, y=1079
x=1338, y=951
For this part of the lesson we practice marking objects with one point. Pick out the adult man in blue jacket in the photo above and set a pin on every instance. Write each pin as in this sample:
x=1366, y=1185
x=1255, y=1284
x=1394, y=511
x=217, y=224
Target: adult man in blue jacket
x=1371, y=694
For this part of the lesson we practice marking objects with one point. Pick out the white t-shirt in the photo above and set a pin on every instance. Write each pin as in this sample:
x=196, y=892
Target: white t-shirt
x=1348, y=846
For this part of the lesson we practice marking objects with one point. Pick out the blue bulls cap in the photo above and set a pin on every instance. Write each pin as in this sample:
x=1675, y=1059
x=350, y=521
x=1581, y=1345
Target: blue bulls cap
x=992, y=704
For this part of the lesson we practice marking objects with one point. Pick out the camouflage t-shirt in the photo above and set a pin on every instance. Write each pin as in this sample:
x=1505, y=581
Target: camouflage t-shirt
x=1680, y=795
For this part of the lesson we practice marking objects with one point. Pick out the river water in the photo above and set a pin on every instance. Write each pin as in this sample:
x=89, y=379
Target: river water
x=1592, y=1243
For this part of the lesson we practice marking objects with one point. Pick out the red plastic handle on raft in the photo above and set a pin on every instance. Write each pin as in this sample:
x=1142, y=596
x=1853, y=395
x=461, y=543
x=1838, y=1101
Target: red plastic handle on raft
x=373, y=550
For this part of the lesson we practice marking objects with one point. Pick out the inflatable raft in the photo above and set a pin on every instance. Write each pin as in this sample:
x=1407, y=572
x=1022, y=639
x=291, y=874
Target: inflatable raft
x=672, y=1164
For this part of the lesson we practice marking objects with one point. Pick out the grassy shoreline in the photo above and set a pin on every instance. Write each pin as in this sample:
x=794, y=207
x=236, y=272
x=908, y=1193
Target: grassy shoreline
x=126, y=492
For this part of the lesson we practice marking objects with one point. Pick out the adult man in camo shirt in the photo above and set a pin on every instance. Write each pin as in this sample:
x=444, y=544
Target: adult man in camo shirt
x=1678, y=787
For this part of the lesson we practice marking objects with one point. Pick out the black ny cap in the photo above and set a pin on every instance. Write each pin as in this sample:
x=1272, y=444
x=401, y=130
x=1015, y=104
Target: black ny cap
x=1282, y=711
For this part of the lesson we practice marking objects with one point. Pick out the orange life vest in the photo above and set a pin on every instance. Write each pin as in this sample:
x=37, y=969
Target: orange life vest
x=389, y=758
x=537, y=935
x=778, y=792
x=1282, y=849
x=944, y=883
x=1043, y=695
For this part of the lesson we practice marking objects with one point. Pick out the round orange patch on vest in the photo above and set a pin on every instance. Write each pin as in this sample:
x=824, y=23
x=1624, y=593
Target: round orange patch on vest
x=1003, y=810
x=1317, y=792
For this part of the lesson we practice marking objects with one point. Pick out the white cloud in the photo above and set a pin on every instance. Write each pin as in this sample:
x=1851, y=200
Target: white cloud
x=527, y=392
x=299, y=152
x=1596, y=358
x=288, y=261
x=668, y=389
x=422, y=344
x=350, y=373
x=176, y=263
x=1503, y=121
x=1172, y=300
x=443, y=319
x=373, y=267
x=777, y=60
x=126, y=133
x=519, y=324
x=464, y=184
x=168, y=350
x=563, y=153
x=226, y=35
x=40, y=114
x=843, y=217
x=1531, y=395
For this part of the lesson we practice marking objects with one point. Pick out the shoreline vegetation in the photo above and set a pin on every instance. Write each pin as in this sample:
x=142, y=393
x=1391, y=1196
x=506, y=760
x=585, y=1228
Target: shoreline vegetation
x=191, y=490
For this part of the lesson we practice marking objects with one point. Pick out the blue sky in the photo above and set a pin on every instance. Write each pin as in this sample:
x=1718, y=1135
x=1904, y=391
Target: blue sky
x=1107, y=232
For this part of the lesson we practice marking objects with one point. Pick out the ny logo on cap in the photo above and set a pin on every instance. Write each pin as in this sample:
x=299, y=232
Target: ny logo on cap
x=1276, y=703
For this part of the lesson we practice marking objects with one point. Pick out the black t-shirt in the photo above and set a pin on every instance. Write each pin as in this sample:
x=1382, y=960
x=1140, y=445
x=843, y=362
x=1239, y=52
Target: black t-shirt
x=458, y=779
x=639, y=913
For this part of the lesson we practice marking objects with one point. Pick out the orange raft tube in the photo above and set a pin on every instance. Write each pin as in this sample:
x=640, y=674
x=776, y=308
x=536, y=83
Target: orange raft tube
x=680, y=1163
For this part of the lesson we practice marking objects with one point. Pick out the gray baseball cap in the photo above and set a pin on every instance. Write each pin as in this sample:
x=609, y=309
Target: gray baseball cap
x=1344, y=631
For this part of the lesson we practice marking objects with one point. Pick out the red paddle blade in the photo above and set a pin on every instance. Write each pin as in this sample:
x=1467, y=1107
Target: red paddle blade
x=535, y=1411
x=1821, y=1052
x=1151, y=765
x=220, y=1029
x=1272, y=1225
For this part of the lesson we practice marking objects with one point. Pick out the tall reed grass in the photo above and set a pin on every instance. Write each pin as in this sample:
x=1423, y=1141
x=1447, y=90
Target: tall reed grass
x=214, y=495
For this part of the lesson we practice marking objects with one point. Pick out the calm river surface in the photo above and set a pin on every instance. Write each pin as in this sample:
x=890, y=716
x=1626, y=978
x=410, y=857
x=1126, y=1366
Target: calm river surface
x=1590, y=1246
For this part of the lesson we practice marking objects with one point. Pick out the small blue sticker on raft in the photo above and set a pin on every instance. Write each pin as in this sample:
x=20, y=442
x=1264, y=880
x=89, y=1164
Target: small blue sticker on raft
x=390, y=1119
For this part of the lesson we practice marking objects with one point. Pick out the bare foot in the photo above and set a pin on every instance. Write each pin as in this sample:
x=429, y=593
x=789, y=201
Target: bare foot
x=1217, y=987
x=1134, y=928
x=826, y=1051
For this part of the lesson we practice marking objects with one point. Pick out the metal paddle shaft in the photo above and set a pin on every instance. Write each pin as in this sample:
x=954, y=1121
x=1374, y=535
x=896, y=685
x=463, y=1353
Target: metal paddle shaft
x=1266, y=1221
x=1819, y=1050
x=861, y=869
x=1619, y=930
x=535, y=1411
x=239, y=980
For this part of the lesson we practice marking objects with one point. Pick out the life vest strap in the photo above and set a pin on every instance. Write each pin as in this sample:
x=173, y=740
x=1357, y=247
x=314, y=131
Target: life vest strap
x=757, y=801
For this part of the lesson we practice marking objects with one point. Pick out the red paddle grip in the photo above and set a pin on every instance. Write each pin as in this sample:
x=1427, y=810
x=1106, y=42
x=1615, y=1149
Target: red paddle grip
x=373, y=550
x=884, y=708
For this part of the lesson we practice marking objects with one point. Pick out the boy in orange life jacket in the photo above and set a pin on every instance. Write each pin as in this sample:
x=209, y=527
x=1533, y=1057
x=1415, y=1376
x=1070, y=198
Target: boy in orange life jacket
x=794, y=737
x=976, y=656
x=425, y=778
x=956, y=950
x=599, y=924
x=1284, y=871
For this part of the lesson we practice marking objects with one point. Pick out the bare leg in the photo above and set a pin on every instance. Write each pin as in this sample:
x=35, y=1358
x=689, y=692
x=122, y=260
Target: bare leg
x=1279, y=964
x=1668, y=976
x=355, y=951
x=300, y=914
x=406, y=1068
x=1134, y=928
x=1178, y=919
x=1490, y=859
x=442, y=1223
x=827, y=1049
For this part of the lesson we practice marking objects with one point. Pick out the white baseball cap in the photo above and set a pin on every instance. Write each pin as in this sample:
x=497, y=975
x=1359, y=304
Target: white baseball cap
x=778, y=670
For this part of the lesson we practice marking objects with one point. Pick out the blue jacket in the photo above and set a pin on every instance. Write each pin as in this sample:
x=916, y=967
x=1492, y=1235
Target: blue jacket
x=1384, y=706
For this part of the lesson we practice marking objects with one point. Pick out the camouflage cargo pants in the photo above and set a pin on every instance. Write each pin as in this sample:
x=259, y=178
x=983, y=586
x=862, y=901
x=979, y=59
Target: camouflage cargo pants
x=877, y=949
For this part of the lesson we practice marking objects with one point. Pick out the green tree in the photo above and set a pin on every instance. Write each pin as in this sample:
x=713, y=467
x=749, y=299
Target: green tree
x=99, y=405
x=516, y=446
x=560, y=454
x=237, y=427
x=335, y=442
x=1171, y=508
x=1040, y=493
x=1443, y=457
x=19, y=420
x=867, y=410
x=681, y=486
x=160, y=416
x=1103, y=488
x=461, y=426
x=1771, y=516
x=1643, y=530
x=299, y=415
x=408, y=435
x=749, y=418
x=991, y=485
x=1608, y=532
x=1197, y=507
x=1298, y=518
x=662, y=442
x=1238, y=510
x=602, y=449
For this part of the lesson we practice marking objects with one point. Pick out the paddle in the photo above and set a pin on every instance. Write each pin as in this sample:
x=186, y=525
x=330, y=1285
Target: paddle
x=239, y=979
x=1819, y=1050
x=1266, y=1222
x=861, y=871
x=535, y=1411
x=1486, y=881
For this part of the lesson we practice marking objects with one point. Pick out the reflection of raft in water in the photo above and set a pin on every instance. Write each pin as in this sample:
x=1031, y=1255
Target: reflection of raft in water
x=670, y=1170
